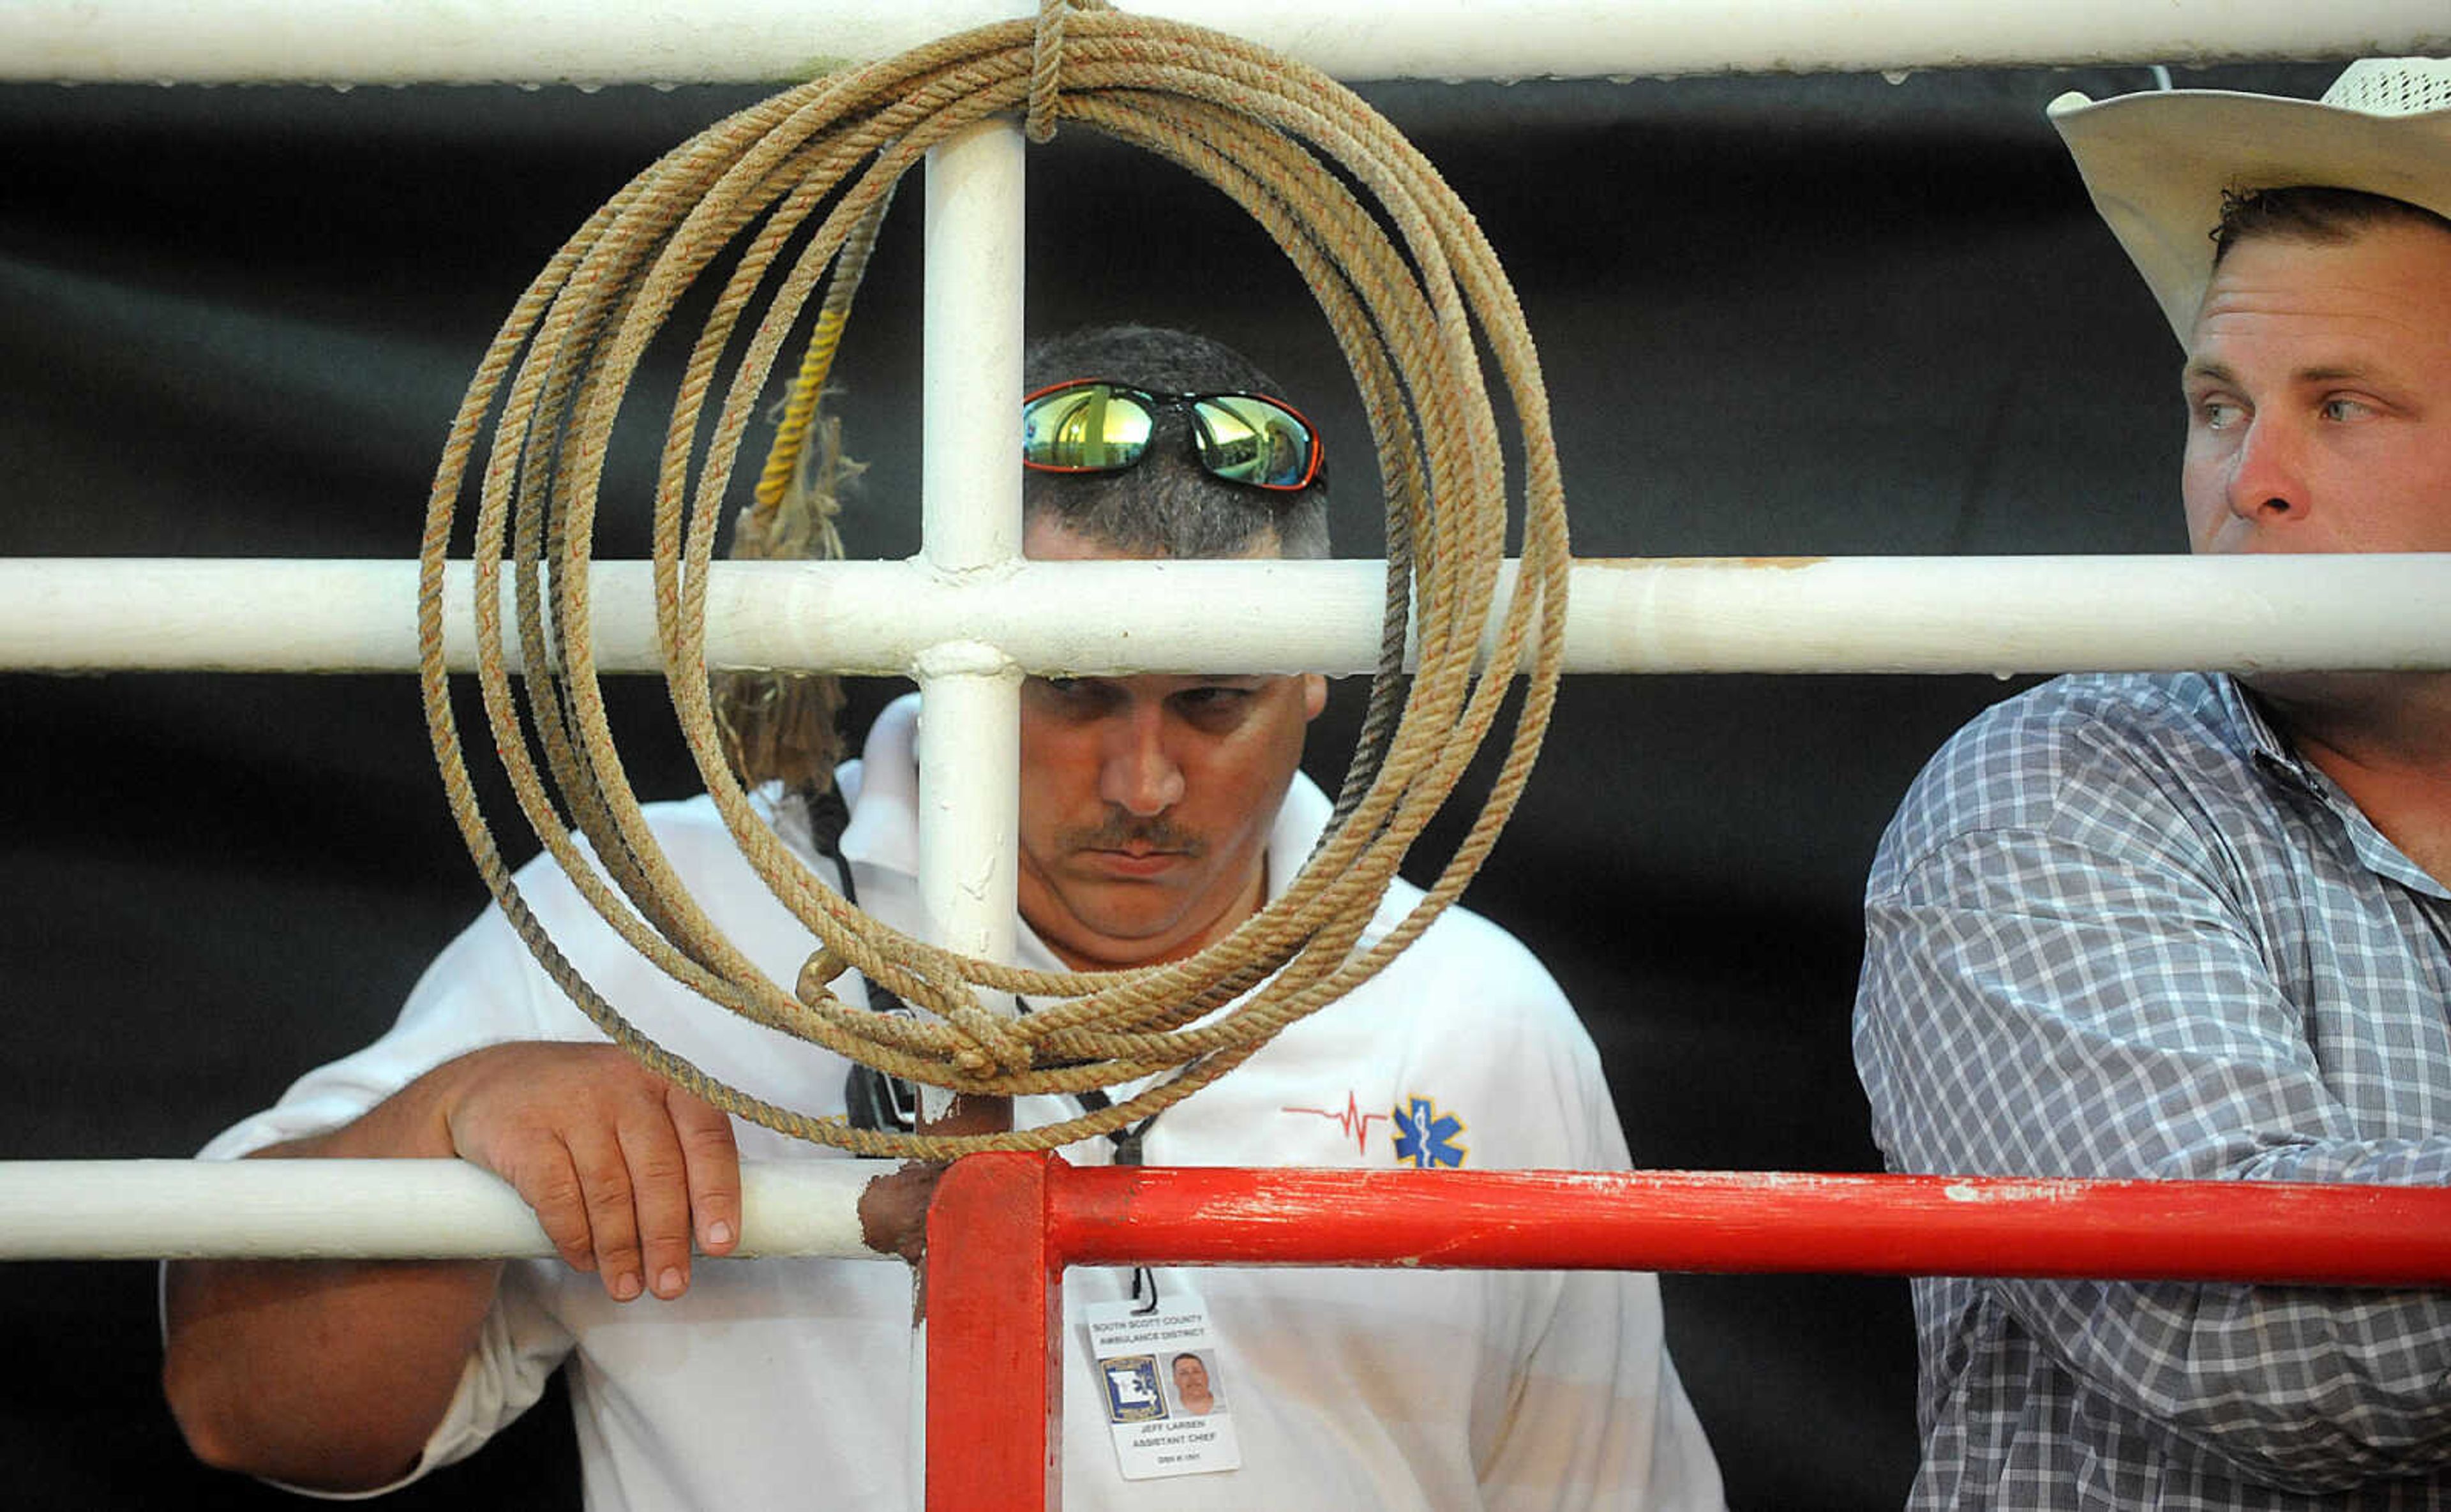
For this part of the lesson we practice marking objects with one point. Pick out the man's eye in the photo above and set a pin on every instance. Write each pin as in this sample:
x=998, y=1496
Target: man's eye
x=2342, y=409
x=2219, y=414
x=1212, y=700
x=1074, y=695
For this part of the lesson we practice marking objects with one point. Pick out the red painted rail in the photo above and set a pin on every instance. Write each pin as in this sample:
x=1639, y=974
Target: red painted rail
x=1004, y=1226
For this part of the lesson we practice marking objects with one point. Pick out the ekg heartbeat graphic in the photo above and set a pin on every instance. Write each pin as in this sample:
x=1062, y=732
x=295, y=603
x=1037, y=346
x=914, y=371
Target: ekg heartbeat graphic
x=1354, y=1120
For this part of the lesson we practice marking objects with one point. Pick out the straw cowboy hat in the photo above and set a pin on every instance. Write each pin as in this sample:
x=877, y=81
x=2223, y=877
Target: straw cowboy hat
x=2156, y=164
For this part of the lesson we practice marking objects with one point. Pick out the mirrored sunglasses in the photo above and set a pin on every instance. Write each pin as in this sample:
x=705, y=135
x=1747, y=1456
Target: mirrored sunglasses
x=1090, y=425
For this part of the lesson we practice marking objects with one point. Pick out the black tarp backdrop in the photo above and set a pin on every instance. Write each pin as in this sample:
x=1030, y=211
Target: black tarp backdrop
x=1832, y=315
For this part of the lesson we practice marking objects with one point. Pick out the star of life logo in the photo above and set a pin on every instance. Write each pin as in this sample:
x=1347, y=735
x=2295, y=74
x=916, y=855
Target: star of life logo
x=1131, y=1388
x=1426, y=1138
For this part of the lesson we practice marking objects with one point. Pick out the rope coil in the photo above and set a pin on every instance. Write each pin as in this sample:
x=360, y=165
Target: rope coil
x=1283, y=141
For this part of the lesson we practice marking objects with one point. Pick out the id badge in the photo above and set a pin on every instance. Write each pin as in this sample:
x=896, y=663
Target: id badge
x=1164, y=1386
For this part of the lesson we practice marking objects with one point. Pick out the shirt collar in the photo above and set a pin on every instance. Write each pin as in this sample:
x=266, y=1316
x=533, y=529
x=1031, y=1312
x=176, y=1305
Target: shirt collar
x=2279, y=761
x=2265, y=745
x=882, y=789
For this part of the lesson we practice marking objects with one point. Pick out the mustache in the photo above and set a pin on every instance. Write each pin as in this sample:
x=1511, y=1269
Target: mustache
x=1122, y=831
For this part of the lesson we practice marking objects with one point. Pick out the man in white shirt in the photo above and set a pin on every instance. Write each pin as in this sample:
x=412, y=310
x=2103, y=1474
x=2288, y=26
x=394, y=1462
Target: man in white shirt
x=1157, y=812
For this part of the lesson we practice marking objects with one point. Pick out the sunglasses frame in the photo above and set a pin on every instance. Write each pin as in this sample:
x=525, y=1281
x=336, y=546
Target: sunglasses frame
x=1203, y=439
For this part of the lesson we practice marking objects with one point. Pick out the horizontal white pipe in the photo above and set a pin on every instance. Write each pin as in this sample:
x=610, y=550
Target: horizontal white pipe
x=368, y=1210
x=633, y=41
x=2014, y=614
x=1837, y=614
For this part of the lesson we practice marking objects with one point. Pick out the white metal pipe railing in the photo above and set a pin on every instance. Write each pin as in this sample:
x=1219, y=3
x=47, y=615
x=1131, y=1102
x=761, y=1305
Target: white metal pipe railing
x=969, y=507
x=970, y=484
x=957, y=617
x=1839, y=614
x=626, y=41
x=370, y=1209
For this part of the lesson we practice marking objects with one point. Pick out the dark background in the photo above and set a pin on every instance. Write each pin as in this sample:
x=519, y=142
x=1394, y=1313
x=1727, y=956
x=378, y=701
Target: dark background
x=1778, y=316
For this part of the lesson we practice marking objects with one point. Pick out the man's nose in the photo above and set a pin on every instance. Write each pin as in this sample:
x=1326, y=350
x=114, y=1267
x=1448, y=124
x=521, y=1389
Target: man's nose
x=1139, y=774
x=2268, y=478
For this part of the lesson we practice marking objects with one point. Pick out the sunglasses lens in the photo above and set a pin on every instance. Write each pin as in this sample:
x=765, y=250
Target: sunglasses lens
x=1084, y=427
x=1251, y=440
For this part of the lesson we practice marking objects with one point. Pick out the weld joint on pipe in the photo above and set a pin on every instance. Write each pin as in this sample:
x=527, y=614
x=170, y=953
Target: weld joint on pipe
x=964, y=658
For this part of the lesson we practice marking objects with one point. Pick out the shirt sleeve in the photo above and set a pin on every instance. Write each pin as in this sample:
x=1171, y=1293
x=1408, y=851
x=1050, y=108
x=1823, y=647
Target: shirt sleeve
x=484, y=989
x=2036, y=1002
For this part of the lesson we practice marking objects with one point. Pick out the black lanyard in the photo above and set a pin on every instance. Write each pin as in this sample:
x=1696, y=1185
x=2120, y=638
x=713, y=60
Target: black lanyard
x=1126, y=1141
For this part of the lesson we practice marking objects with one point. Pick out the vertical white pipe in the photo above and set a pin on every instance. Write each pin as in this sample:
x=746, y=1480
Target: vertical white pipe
x=971, y=518
x=970, y=729
x=970, y=480
x=970, y=751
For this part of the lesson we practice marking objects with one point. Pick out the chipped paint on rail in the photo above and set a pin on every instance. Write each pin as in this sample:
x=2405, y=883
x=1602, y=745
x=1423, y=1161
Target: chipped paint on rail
x=1996, y=1190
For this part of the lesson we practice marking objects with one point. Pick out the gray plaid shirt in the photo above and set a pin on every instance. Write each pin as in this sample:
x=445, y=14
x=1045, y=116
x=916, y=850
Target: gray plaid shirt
x=2119, y=929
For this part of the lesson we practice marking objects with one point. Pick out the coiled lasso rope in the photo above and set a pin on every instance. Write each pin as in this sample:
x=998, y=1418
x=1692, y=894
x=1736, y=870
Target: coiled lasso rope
x=1283, y=141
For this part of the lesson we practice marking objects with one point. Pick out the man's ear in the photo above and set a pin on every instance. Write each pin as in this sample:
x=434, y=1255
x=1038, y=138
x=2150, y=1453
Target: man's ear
x=1314, y=695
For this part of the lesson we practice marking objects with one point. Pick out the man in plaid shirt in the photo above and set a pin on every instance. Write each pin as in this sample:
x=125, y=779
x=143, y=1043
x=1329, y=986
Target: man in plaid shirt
x=2196, y=925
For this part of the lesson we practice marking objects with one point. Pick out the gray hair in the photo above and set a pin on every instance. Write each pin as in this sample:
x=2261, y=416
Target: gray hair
x=1167, y=504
